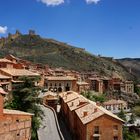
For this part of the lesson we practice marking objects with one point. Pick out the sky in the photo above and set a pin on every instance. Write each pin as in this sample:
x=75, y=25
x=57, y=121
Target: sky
x=105, y=27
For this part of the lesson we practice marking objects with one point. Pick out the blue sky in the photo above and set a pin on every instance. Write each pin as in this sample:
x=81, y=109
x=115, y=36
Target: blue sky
x=106, y=27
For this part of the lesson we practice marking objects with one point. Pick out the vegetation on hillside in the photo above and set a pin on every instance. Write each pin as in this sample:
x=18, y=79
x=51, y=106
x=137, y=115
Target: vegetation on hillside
x=58, y=54
x=133, y=65
x=96, y=98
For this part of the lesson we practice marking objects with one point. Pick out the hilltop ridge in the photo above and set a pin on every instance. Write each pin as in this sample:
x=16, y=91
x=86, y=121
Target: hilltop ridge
x=58, y=54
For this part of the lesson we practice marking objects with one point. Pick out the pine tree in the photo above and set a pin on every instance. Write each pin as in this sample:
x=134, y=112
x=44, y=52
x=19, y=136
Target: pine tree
x=25, y=98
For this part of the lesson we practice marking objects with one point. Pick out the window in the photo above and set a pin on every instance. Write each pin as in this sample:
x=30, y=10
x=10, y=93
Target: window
x=115, y=127
x=96, y=138
x=115, y=138
x=96, y=130
x=50, y=84
x=46, y=84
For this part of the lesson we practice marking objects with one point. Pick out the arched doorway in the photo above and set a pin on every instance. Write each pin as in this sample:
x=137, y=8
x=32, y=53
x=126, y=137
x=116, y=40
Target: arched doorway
x=59, y=89
x=67, y=88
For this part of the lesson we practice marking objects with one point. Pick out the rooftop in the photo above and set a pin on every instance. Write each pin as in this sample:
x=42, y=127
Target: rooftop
x=85, y=109
x=68, y=96
x=5, y=60
x=60, y=78
x=114, y=102
x=77, y=103
x=18, y=72
x=4, y=77
x=93, y=112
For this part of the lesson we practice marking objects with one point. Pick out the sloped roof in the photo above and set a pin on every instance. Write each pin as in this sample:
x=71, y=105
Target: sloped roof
x=114, y=102
x=4, y=77
x=93, y=112
x=68, y=96
x=12, y=56
x=77, y=103
x=18, y=72
x=60, y=78
x=5, y=60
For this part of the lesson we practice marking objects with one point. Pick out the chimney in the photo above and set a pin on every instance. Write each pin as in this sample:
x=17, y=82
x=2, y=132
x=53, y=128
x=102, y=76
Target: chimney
x=85, y=113
x=2, y=93
x=98, y=103
x=72, y=104
x=95, y=110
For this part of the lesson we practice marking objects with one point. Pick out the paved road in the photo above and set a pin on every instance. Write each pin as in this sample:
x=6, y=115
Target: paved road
x=48, y=130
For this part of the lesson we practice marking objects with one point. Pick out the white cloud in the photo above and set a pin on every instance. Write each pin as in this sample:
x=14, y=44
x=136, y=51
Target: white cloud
x=3, y=30
x=92, y=1
x=52, y=2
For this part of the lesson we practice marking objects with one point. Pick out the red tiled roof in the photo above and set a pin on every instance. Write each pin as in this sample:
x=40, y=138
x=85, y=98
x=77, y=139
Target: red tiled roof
x=60, y=78
x=18, y=72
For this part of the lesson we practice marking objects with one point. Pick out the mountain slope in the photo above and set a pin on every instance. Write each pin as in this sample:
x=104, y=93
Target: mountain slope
x=133, y=65
x=58, y=54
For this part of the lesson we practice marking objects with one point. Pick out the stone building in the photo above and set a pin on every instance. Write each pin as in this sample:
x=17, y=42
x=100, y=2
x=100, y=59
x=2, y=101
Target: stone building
x=60, y=83
x=115, y=106
x=16, y=74
x=127, y=87
x=99, y=84
x=82, y=86
x=5, y=63
x=14, y=124
x=5, y=82
x=87, y=120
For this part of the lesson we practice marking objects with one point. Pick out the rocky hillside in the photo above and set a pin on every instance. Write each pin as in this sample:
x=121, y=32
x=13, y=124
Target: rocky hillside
x=133, y=65
x=57, y=54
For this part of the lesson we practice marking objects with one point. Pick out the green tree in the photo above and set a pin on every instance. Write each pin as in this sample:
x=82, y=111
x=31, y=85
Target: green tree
x=95, y=98
x=136, y=110
x=137, y=89
x=122, y=115
x=25, y=98
x=132, y=118
x=127, y=135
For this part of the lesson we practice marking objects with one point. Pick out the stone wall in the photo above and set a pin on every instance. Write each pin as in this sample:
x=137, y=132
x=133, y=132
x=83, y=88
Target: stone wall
x=15, y=127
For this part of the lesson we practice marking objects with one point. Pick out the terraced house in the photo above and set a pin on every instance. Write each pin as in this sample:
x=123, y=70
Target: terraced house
x=87, y=120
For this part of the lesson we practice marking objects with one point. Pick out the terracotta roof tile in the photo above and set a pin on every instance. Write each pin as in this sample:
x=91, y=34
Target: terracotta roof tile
x=91, y=109
x=5, y=60
x=60, y=78
x=4, y=77
x=77, y=103
x=114, y=102
x=19, y=72
x=69, y=96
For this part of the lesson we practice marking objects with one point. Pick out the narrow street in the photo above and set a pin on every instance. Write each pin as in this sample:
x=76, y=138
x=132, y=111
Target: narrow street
x=48, y=130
